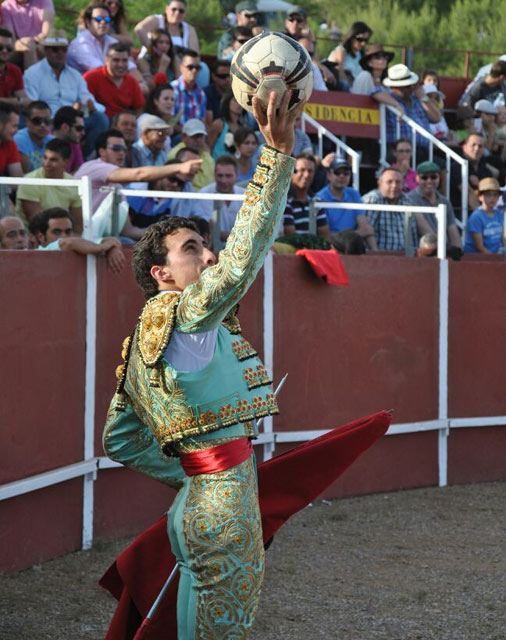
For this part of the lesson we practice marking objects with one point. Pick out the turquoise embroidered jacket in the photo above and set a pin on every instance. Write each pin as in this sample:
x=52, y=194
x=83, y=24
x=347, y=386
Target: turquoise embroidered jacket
x=150, y=411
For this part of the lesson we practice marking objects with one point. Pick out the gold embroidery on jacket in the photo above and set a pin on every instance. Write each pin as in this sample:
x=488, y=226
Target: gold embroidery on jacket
x=155, y=326
x=243, y=350
x=256, y=377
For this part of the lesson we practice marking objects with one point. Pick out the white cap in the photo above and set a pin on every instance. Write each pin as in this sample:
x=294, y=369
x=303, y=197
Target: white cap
x=193, y=127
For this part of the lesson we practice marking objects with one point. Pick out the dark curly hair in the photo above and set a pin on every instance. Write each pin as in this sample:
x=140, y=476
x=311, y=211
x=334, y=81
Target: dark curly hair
x=151, y=250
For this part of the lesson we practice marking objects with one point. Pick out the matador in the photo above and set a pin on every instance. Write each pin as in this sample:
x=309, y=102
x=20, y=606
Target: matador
x=191, y=388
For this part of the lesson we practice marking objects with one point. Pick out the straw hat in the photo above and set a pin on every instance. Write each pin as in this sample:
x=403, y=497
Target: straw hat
x=372, y=51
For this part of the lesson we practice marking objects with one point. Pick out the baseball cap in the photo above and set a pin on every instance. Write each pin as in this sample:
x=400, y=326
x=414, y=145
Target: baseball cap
x=340, y=163
x=485, y=106
x=297, y=10
x=427, y=167
x=247, y=7
x=153, y=122
x=193, y=127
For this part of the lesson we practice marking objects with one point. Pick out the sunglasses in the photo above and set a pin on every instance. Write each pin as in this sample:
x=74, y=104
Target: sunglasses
x=100, y=19
x=222, y=76
x=250, y=15
x=242, y=40
x=117, y=147
x=193, y=67
x=362, y=39
x=78, y=127
x=380, y=56
x=429, y=176
x=162, y=133
x=341, y=172
x=38, y=120
x=57, y=49
x=294, y=19
x=178, y=10
x=5, y=47
x=403, y=150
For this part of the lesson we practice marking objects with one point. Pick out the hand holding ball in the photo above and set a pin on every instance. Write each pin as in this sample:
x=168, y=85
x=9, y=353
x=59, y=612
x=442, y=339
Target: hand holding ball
x=271, y=62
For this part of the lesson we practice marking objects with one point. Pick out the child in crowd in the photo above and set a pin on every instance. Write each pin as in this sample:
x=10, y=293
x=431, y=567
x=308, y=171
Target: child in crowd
x=485, y=226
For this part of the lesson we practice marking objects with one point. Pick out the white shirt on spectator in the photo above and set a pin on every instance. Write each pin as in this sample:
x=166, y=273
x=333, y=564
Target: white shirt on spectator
x=228, y=210
x=87, y=52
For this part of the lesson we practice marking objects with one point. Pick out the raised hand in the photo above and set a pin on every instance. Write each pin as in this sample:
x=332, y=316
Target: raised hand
x=277, y=125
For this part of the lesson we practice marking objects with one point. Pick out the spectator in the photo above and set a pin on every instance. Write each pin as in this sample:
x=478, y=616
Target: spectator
x=349, y=54
x=348, y=242
x=246, y=145
x=389, y=225
x=89, y=49
x=29, y=21
x=240, y=35
x=296, y=23
x=465, y=125
x=487, y=112
x=338, y=190
x=492, y=87
x=126, y=123
x=11, y=79
x=32, y=140
x=53, y=231
x=182, y=181
x=484, y=229
x=318, y=79
x=194, y=136
x=222, y=130
x=119, y=27
x=439, y=130
x=10, y=158
x=13, y=234
x=144, y=211
x=182, y=34
x=68, y=125
x=482, y=72
x=374, y=64
x=149, y=149
x=225, y=178
x=246, y=16
x=107, y=170
x=302, y=140
x=158, y=57
x=31, y=199
x=402, y=151
x=219, y=87
x=430, y=76
x=500, y=134
x=160, y=103
x=112, y=85
x=297, y=212
x=473, y=151
x=426, y=194
x=402, y=93
x=188, y=96
x=57, y=84
x=427, y=247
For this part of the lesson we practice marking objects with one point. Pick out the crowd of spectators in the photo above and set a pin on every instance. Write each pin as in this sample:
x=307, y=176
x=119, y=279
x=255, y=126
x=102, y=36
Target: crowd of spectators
x=161, y=119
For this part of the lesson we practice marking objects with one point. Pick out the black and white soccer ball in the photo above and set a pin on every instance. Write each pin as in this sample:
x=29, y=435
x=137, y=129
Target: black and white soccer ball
x=271, y=62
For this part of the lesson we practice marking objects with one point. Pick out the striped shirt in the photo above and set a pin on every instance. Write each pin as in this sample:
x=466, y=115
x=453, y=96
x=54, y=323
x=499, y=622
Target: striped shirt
x=297, y=214
x=193, y=102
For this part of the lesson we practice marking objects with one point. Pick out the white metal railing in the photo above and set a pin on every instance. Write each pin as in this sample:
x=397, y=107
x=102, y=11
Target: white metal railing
x=342, y=148
x=450, y=154
x=408, y=210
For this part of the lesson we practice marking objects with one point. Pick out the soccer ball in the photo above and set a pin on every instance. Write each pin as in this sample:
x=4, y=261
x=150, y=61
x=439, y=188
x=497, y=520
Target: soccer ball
x=271, y=62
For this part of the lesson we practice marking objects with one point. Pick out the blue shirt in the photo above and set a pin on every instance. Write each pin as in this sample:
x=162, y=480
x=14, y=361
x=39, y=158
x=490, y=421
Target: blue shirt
x=192, y=102
x=142, y=156
x=341, y=219
x=41, y=83
x=27, y=146
x=490, y=228
x=414, y=110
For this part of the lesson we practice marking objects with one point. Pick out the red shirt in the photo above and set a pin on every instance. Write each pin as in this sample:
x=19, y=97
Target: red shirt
x=127, y=96
x=10, y=80
x=9, y=154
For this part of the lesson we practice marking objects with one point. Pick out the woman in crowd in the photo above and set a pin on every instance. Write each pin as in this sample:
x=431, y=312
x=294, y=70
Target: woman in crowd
x=246, y=145
x=160, y=102
x=183, y=35
x=118, y=27
x=349, y=54
x=402, y=153
x=222, y=130
x=374, y=64
x=158, y=57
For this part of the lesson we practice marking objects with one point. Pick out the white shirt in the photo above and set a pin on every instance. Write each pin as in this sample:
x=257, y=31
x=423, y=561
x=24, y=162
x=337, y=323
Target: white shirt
x=228, y=210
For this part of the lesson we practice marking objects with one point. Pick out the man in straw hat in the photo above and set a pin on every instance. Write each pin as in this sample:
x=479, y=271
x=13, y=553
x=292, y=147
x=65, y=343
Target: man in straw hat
x=401, y=90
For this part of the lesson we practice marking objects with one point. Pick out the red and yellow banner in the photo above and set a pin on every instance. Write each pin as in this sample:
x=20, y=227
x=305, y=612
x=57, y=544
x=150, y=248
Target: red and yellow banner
x=344, y=114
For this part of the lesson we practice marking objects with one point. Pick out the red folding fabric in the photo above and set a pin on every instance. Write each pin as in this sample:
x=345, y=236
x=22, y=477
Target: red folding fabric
x=326, y=264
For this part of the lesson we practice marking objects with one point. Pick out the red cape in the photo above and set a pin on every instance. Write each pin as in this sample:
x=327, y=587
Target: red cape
x=287, y=483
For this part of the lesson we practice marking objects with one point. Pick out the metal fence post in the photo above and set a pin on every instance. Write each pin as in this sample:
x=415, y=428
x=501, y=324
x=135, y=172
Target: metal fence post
x=116, y=199
x=4, y=200
x=312, y=217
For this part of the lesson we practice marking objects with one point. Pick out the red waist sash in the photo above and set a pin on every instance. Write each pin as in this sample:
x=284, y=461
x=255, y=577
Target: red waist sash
x=218, y=458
